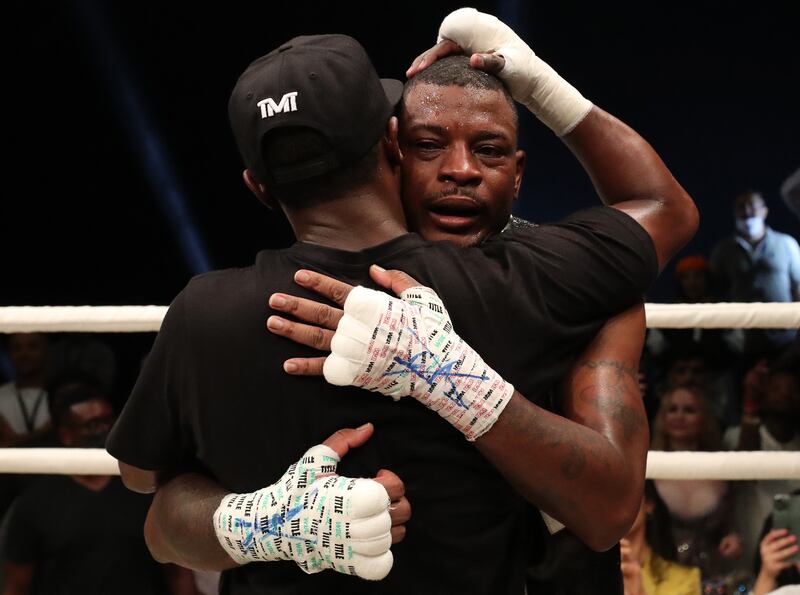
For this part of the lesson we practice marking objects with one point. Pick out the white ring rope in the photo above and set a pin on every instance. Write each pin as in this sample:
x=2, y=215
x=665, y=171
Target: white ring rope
x=764, y=464
x=724, y=315
x=132, y=319
x=58, y=461
x=86, y=319
x=660, y=465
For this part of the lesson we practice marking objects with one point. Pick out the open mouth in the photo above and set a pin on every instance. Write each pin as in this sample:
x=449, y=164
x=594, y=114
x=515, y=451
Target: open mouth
x=454, y=213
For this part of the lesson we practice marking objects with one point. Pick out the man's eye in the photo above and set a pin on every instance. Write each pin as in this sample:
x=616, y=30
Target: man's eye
x=490, y=151
x=427, y=145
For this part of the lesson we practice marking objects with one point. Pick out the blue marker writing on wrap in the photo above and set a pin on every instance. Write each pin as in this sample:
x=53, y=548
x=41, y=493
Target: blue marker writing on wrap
x=433, y=371
x=272, y=530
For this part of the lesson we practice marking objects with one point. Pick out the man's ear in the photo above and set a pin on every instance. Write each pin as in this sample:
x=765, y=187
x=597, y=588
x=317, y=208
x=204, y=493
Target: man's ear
x=392, y=142
x=259, y=190
x=519, y=172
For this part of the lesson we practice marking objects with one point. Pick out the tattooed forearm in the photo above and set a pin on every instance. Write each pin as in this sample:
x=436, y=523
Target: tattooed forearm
x=609, y=402
x=610, y=395
x=571, y=444
x=620, y=367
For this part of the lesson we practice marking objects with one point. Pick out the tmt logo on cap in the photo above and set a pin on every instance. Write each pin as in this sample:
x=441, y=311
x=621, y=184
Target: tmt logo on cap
x=269, y=108
x=343, y=101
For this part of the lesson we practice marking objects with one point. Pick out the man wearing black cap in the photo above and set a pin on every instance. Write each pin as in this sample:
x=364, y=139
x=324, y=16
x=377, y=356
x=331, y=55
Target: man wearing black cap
x=467, y=535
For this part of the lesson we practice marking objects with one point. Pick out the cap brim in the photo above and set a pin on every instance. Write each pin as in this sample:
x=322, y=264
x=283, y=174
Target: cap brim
x=393, y=89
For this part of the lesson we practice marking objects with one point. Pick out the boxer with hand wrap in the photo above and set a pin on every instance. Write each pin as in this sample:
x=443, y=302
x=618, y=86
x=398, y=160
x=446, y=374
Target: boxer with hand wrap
x=408, y=347
x=312, y=516
x=494, y=47
x=523, y=427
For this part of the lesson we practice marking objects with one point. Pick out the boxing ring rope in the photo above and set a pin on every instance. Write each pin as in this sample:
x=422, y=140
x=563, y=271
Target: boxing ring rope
x=660, y=465
x=137, y=319
x=760, y=465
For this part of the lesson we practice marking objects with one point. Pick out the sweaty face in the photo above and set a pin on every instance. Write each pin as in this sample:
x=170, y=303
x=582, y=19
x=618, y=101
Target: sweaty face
x=461, y=167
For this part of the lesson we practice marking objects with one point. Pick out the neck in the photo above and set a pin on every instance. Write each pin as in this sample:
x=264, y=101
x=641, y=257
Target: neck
x=95, y=483
x=364, y=218
x=34, y=380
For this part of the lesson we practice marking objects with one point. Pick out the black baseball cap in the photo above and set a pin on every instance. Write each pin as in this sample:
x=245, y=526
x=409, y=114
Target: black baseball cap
x=323, y=82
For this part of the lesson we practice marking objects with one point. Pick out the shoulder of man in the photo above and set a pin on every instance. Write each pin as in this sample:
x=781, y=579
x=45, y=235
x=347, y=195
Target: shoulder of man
x=518, y=223
x=593, y=224
x=779, y=236
x=215, y=293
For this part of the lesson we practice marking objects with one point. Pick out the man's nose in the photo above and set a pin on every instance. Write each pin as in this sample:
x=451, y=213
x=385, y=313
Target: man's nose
x=460, y=166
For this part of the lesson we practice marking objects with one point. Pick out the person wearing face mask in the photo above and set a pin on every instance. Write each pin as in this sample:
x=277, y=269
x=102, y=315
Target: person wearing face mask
x=82, y=533
x=758, y=264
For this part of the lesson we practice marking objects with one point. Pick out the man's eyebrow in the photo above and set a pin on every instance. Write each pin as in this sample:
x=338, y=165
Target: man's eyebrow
x=441, y=130
x=435, y=128
x=491, y=135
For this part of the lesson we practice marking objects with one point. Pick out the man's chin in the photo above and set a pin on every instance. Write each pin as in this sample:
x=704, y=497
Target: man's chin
x=465, y=237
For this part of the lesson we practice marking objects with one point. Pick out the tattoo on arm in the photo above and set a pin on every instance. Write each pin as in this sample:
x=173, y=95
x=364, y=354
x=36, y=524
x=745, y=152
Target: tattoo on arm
x=574, y=461
x=620, y=367
x=609, y=398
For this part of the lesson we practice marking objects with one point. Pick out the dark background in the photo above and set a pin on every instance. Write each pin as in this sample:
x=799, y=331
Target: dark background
x=98, y=94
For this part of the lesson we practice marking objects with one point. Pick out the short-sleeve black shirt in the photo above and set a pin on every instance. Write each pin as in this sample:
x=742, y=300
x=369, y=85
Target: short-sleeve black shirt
x=213, y=390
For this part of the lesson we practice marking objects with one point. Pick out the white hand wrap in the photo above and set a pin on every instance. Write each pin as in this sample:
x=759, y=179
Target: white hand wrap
x=409, y=347
x=312, y=516
x=532, y=82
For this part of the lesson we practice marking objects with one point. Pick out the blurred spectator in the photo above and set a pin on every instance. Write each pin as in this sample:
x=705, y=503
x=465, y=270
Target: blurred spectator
x=693, y=286
x=770, y=420
x=702, y=511
x=774, y=568
x=648, y=554
x=692, y=366
x=24, y=413
x=693, y=274
x=85, y=353
x=757, y=264
x=83, y=534
x=770, y=410
x=790, y=191
x=687, y=368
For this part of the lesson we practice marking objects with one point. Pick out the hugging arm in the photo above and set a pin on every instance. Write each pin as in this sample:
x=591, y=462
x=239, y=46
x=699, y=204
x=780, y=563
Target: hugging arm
x=180, y=525
x=585, y=469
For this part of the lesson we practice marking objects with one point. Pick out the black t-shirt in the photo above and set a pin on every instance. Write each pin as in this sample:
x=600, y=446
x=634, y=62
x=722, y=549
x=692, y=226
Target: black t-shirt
x=213, y=390
x=80, y=541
